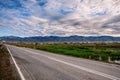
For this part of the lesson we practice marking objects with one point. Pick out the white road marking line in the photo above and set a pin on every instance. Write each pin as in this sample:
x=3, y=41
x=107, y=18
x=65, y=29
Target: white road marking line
x=18, y=69
x=79, y=67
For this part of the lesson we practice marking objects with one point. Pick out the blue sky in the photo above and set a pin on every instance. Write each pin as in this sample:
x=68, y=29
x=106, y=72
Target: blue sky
x=59, y=17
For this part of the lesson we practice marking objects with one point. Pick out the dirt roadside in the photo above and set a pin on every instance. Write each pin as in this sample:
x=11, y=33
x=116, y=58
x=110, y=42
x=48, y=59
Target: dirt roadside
x=7, y=68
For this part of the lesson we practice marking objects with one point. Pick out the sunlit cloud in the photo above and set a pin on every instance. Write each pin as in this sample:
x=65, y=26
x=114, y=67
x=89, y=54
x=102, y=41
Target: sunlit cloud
x=60, y=17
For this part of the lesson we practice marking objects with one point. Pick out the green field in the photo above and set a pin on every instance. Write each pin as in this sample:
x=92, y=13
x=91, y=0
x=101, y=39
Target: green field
x=96, y=51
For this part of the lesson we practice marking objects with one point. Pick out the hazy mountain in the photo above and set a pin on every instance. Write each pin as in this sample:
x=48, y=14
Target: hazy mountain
x=60, y=39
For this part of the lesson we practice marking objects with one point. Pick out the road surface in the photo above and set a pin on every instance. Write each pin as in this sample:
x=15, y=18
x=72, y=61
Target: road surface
x=41, y=65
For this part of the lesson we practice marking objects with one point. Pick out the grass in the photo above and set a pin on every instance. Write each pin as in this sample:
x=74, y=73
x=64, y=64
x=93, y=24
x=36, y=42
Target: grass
x=6, y=69
x=96, y=51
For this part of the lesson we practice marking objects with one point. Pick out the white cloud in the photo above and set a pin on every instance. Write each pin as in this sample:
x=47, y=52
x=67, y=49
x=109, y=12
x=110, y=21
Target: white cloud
x=63, y=18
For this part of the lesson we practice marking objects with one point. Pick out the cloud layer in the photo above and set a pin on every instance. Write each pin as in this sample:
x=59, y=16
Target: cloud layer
x=60, y=17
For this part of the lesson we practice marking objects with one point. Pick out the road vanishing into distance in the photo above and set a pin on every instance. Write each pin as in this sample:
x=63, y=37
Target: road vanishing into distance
x=41, y=65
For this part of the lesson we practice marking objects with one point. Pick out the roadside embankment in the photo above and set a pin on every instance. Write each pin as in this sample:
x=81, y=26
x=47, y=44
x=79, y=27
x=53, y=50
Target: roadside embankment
x=7, y=68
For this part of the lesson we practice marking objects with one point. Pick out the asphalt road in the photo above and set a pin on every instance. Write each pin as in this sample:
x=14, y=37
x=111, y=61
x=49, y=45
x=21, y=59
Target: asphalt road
x=41, y=65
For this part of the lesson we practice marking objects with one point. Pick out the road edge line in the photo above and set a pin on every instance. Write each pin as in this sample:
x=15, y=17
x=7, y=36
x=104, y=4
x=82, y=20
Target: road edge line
x=17, y=67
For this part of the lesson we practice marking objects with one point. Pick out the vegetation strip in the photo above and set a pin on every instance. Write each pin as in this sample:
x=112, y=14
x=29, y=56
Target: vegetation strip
x=107, y=52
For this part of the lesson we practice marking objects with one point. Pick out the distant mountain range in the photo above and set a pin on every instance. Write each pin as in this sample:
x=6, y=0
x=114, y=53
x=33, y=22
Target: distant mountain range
x=61, y=39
